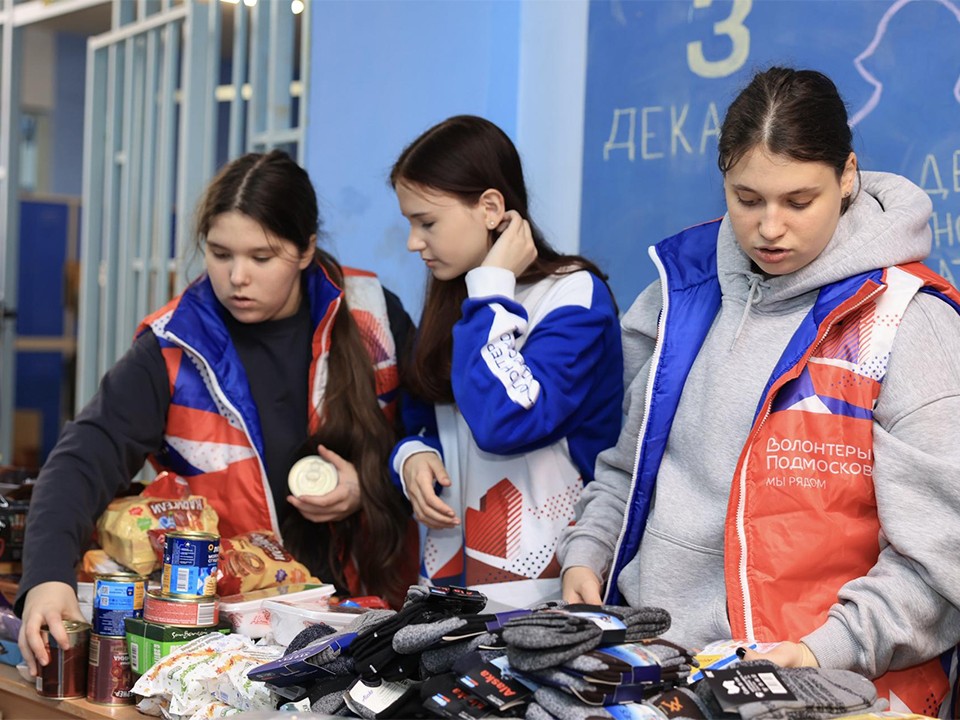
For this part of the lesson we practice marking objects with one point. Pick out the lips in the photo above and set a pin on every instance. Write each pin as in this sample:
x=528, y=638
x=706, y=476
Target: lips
x=771, y=254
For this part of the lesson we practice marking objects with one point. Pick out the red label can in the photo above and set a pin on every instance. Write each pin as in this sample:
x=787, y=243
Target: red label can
x=65, y=676
x=109, y=678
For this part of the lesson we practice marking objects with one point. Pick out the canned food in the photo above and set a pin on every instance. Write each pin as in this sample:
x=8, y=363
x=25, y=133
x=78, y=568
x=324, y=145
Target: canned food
x=109, y=680
x=65, y=676
x=185, y=612
x=116, y=596
x=190, y=564
x=312, y=475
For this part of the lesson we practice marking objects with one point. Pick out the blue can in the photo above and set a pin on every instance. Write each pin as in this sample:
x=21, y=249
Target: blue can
x=190, y=564
x=116, y=596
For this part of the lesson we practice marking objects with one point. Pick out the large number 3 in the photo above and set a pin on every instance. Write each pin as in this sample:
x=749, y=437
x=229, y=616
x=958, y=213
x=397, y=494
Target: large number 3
x=739, y=35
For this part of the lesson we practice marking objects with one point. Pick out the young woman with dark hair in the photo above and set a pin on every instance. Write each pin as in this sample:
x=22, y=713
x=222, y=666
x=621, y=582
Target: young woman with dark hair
x=276, y=348
x=518, y=353
x=784, y=473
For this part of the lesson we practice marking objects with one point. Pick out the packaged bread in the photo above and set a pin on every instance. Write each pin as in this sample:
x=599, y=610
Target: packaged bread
x=257, y=560
x=132, y=530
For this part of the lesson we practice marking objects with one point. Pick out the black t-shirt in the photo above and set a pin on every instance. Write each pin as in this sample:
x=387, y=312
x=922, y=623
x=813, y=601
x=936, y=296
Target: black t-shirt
x=276, y=356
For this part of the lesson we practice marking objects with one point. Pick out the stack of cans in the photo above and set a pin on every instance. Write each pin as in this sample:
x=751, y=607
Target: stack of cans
x=188, y=586
x=117, y=596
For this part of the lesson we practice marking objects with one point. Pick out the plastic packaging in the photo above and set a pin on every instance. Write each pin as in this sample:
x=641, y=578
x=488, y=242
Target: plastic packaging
x=288, y=616
x=244, y=613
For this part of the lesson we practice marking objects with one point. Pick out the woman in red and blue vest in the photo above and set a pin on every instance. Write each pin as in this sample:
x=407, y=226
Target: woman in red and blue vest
x=789, y=470
x=275, y=352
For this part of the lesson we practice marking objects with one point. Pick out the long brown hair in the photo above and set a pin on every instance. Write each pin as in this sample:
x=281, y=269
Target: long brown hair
x=274, y=191
x=464, y=156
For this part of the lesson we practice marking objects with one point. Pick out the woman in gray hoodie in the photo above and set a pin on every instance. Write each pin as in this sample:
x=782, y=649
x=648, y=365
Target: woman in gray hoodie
x=789, y=470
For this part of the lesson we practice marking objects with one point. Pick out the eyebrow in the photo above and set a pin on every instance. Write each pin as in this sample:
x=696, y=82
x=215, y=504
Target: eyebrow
x=798, y=191
x=261, y=249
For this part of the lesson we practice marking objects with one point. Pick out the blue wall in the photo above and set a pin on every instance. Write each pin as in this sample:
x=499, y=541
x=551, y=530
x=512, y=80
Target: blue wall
x=382, y=72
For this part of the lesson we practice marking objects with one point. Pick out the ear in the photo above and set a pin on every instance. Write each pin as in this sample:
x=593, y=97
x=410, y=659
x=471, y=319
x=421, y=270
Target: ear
x=309, y=253
x=849, y=176
x=492, y=207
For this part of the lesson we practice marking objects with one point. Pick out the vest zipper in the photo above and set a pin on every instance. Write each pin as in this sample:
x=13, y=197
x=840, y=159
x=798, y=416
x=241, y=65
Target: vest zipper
x=742, y=480
x=648, y=400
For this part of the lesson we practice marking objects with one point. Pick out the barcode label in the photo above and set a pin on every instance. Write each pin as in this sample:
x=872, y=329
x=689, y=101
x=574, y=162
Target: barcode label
x=183, y=580
x=134, y=654
x=205, y=614
x=773, y=683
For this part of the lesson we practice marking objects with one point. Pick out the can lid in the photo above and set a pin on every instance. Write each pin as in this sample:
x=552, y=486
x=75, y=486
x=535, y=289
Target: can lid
x=312, y=475
x=73, y=627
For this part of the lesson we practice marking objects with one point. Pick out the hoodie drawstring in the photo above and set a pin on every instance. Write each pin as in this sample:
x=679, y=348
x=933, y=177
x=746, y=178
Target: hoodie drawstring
x=753, y=296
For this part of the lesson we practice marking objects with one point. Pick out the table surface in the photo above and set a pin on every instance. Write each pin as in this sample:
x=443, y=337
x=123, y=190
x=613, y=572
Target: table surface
x=19, y=699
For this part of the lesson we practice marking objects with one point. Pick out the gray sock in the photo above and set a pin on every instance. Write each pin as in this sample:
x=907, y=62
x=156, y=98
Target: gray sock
x=368, y=619
x=821, y=693
x=535, y=711
x=566, y=707
x=641, y=622
x=442, y=659
x=328, y=655
x=416, y=638
x=548, y=639
x=330, y=704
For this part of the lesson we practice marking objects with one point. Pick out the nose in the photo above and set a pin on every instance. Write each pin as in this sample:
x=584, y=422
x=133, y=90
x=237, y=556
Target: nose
x=771, y=222
x=414, y=242
x=239, y=274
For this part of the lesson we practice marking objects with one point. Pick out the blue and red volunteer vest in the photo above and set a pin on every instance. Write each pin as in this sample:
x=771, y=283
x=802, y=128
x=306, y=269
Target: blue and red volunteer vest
x=213, y=437
x=813, y=431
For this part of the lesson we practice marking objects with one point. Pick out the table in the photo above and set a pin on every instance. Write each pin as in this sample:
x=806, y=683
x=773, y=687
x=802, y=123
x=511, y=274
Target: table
x=19, y=701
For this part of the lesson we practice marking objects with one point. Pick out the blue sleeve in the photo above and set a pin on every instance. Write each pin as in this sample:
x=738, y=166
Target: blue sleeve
x=420, y=422
x=520, y=400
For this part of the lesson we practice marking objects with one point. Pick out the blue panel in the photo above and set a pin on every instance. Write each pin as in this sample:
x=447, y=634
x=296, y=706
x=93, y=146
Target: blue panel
x=895, y=63
x=43, y=243
x=38, y=388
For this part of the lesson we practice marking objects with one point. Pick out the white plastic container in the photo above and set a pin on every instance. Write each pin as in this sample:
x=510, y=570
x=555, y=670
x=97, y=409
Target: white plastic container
x=288, y=616
x=246, y=615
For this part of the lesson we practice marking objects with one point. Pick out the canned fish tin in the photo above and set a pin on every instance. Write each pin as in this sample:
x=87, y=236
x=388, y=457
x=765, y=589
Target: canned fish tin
x=116, y=596
x=65, y=676
x=190, y=564
x=312, y=475
x=109, y=680
x=185, y=612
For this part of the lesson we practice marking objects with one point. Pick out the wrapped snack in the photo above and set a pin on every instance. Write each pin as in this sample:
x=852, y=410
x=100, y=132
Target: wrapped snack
x=206, y=674
x=132, y=529
x=257, y=560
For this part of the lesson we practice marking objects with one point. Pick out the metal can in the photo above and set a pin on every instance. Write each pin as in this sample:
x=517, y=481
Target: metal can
x=116, y=596
x=65, y=676
x=190, y=564
x=185, y=612
x=109, y=680
x=312, y=475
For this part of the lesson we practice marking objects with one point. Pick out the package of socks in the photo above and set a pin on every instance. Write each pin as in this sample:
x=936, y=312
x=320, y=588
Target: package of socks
x=301, y=666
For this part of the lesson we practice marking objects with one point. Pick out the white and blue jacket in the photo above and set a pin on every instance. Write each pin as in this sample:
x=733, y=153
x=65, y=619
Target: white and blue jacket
x=538, y=381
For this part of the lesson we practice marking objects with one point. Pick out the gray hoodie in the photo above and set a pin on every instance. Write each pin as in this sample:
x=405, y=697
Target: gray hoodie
x=905, y=610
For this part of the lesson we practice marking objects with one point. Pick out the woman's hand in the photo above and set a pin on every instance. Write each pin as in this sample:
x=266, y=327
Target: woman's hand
x=786, y=654
x=420, y=471
x=514, y=249
x=47, y=604
x=581, y=585
x=341, y=502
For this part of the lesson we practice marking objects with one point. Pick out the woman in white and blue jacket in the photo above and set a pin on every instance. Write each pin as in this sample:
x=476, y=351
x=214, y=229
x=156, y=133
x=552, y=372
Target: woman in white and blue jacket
x=519, y=357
